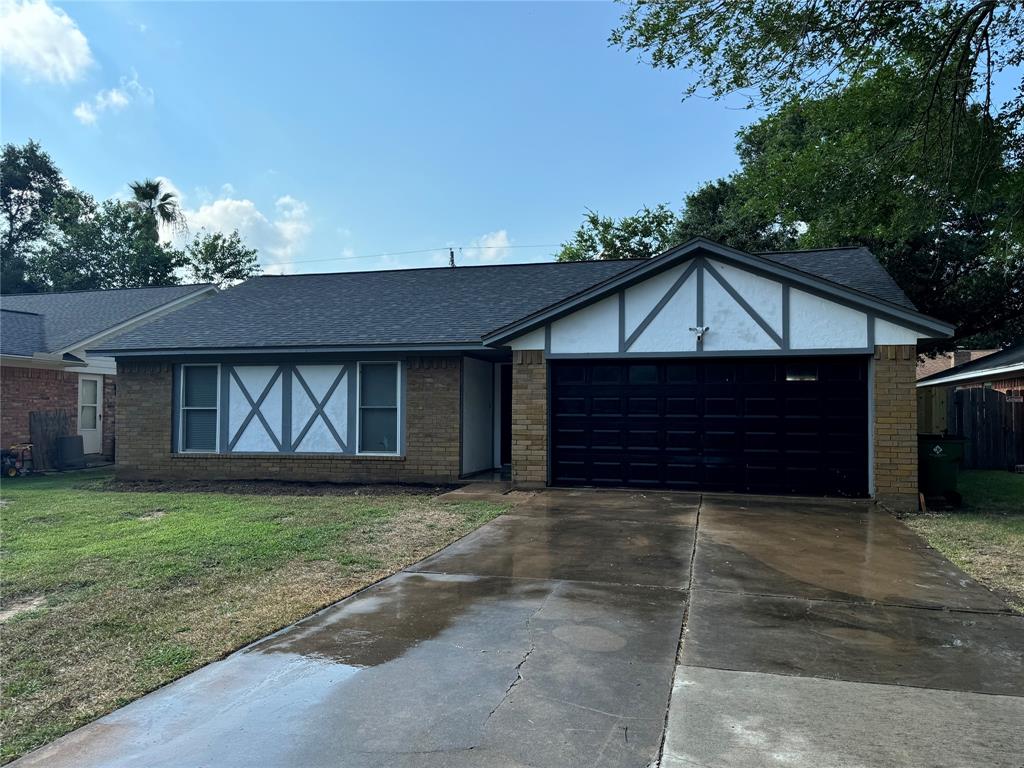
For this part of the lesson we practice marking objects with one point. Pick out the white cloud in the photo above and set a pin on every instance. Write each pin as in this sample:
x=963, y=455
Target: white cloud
x=41, y=42
x=86, y=115
x=114, y=99
x=278, y=236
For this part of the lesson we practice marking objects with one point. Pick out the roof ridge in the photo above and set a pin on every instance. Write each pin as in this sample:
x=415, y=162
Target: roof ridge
x=445, y=268
x=21, y=312
x=102, y=290
x=814, y=250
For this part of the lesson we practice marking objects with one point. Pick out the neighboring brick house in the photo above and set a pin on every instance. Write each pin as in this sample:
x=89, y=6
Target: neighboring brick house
x=704, y=368
x=44, y=365
x=932, y=364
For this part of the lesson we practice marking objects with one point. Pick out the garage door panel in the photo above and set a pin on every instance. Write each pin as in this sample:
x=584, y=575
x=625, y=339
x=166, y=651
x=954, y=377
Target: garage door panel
x=761, y=425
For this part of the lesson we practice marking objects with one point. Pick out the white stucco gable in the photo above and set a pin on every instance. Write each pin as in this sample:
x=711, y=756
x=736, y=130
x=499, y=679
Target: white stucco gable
x=714, y=305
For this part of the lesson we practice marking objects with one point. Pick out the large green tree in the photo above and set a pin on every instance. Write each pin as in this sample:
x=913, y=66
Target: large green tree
x=213, y=257
x=819, y=173
x=775, y=52
x=159, y=207
x=58, y=238
x=31, y=187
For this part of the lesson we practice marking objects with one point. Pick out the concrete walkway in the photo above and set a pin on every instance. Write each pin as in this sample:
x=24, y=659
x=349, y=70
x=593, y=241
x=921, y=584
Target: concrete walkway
x=829, y=636
x=817, y=634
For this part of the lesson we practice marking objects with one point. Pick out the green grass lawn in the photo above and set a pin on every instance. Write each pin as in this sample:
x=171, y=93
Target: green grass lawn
x=108, y=594
x=986, y=537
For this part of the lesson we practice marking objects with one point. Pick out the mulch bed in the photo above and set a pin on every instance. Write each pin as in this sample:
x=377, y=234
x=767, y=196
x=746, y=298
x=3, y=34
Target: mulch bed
x=273, y=488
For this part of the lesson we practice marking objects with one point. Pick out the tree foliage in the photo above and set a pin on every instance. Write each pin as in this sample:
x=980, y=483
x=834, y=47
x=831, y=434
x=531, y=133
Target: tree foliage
x=815, y=174
x=30, y=188
x=808, y=49
x=158, y=207
x=58, y=238
x=213, y=257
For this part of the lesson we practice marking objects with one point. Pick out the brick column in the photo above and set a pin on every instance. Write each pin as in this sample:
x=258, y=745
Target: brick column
x=432, y=405
x=529, y=418
x=144, y=418
x=895, y=425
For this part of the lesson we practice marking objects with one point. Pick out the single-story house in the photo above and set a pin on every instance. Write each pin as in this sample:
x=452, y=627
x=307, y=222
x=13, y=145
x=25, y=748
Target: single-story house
x=44, y=365
x=1001, y=370
x=702, y=368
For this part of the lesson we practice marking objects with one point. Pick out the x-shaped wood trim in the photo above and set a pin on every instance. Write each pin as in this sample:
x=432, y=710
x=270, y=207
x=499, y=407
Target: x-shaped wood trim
x=318, y=408
x=254, y=409
x=754, y=315
x=661, y=303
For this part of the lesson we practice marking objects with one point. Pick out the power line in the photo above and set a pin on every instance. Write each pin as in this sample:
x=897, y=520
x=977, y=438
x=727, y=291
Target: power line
x=442, y=249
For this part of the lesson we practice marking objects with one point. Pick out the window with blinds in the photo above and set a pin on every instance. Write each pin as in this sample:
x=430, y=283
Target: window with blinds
x=200, y=393
x=378, y=407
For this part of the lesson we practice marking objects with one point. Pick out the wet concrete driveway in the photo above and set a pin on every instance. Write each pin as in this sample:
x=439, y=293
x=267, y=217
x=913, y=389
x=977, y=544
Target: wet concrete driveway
x=826, y=634
x=546, y=638
x=817, y=634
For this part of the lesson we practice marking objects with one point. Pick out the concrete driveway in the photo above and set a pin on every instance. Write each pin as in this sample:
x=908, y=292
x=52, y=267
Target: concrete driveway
x=819, y=634
x=827, y=635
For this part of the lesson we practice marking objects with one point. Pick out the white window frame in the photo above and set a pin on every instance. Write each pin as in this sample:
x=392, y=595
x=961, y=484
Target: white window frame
x=182, y=408
x=398, y=408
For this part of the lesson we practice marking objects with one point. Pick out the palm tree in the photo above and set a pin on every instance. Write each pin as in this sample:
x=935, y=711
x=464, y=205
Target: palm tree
x=158, y=206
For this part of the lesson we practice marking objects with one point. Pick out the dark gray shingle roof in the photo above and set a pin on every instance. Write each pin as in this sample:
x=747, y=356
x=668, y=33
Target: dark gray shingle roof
x=854, y=267
x=413, y=306
x=72, y=317
x=435, y=306
x=21, y=333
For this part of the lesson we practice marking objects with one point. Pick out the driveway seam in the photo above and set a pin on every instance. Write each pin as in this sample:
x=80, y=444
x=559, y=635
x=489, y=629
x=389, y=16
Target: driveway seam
x=682, y=631
x=847, y=680
x=539, y=578
x=865, y=603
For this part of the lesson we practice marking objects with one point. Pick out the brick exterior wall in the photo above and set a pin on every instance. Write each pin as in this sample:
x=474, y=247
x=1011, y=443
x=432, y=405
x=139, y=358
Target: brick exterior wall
x=432, y=400
x=529, y=418
x=109, y=415
x=24, y=390
x=895, y=426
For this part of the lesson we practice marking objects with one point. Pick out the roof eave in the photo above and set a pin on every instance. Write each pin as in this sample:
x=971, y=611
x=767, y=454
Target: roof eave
x=288, y=350
x=934, y=327
x=967, y=377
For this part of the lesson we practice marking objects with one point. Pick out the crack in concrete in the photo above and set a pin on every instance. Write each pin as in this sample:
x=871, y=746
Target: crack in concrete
x=519, y=667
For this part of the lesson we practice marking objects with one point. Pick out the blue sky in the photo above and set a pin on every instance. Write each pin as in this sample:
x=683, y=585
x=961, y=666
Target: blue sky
x=326, y=131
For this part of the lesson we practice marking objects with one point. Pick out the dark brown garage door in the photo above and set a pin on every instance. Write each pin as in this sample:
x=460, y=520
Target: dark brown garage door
x=770, y=425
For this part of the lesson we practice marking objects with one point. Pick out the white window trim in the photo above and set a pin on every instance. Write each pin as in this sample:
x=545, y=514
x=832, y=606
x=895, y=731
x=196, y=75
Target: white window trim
x=182, y=408
x=398, y=408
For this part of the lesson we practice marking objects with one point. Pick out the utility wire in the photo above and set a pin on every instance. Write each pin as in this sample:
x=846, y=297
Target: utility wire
x=442, y=249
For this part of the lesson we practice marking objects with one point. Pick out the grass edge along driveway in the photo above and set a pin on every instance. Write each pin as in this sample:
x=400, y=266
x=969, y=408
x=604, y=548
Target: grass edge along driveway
x=986, y=537
x=110, y=594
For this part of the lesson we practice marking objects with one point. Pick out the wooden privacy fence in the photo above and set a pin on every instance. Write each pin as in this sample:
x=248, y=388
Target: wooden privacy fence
x=993, y=425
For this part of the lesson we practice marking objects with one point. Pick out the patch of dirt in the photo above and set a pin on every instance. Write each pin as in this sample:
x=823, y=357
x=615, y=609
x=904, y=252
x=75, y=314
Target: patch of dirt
x=21, y=606
x=147, y=514
x=273, y=488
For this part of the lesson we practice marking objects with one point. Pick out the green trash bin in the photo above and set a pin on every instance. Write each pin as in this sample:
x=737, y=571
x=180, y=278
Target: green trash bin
x=939, y=458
